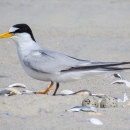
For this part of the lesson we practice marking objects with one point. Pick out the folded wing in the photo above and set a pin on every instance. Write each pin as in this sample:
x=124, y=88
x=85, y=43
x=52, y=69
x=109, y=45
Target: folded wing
x=52, y=62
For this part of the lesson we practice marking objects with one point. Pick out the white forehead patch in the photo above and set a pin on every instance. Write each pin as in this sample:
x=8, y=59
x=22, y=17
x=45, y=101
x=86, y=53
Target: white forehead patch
x=13, y=29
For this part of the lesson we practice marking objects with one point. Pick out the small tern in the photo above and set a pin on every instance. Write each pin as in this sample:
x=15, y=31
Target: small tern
x=46, y=65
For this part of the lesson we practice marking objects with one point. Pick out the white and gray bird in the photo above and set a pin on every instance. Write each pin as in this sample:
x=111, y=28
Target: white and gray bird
x=42, y=64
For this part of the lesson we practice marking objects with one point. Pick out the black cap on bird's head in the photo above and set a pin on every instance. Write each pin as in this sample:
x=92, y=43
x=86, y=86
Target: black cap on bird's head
x=18, y=28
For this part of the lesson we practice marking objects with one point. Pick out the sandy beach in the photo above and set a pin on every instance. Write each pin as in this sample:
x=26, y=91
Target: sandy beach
x=85, y=29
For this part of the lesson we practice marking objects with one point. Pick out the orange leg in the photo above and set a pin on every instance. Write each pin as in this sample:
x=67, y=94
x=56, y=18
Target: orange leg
x=57, y=86
x=47, y=89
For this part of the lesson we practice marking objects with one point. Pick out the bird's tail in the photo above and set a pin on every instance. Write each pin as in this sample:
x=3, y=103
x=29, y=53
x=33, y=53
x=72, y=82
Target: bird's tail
x=101, y=66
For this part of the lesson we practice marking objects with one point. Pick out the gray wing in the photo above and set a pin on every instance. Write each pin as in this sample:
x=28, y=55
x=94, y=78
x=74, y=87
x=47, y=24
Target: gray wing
x=53, y=62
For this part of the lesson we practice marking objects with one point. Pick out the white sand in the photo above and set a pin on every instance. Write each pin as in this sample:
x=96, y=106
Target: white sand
x=91, y=29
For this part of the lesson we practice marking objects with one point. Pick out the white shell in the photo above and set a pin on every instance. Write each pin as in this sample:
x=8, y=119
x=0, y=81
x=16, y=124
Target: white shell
x=122, y=81
x=125, y=98
x=95, y=121
x=75, y=109
x=9, y=91
x=27, y=91
x=17, y=85
x=83, y=108
x=13, y=91
x=66, y=92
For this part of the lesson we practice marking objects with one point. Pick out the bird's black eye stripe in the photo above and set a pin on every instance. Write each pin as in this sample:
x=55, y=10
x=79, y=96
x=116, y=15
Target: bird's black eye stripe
x=18, y=31
x=23, y=28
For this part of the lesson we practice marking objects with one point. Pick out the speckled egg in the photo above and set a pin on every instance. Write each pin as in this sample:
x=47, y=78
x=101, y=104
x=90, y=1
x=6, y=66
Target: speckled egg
x=108, y=102
x=90, y=101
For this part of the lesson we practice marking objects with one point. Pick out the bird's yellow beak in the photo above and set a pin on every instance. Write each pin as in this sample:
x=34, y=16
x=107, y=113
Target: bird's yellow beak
x=6, y=35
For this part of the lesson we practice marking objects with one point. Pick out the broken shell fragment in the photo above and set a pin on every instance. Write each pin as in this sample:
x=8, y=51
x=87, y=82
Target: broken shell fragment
x=83, y=108
x=17, y=85
x=83, y=93
x=108, y=102
x=13, y=91
x=122, y=81
x=66, y=92
x=80, y=93
x=9, y=92
x=75, y=109
x=118, y=76
x=27, y=91
x=95, y=121
x=90, y=101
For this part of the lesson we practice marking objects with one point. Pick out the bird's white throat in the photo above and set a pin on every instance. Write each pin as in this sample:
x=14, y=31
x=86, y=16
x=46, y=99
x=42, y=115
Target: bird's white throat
x=21, y=38
x=24, y=43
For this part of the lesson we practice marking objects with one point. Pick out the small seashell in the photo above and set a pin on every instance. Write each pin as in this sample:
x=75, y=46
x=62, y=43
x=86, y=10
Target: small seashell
x=90, y=101
x=83, y=93
x=95, y=121
x=75, y=109
x=89, y=109
x=27, y=91
x=121, y=81
x=2, y=92
x=124, y=100
x=118, y=76
x=12, y=91
x=17, y=85
x=66, y=92
x=83, y=108
x=108, y=101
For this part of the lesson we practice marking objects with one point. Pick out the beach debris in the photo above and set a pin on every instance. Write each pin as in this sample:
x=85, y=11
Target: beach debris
x=17, y=85
x=13, y=91
x=90, y=101
x=66, y=92
x=75, y=109
x=98, y=94
x=122, y=81
x=83, y=93
x=9, y=92
x=108, y=102
x=95, y=121
x=27, y=92
x=83, y=108
x=123, y=100
x=118, y=76
x=4, y=92
x=80, y=93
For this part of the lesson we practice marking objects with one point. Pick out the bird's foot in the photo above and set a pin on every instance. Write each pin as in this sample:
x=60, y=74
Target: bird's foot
x=45, y=92
x=47, y=89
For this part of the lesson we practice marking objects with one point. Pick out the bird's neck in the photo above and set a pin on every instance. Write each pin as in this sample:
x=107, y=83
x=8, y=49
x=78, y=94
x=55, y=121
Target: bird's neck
x=24, y=47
